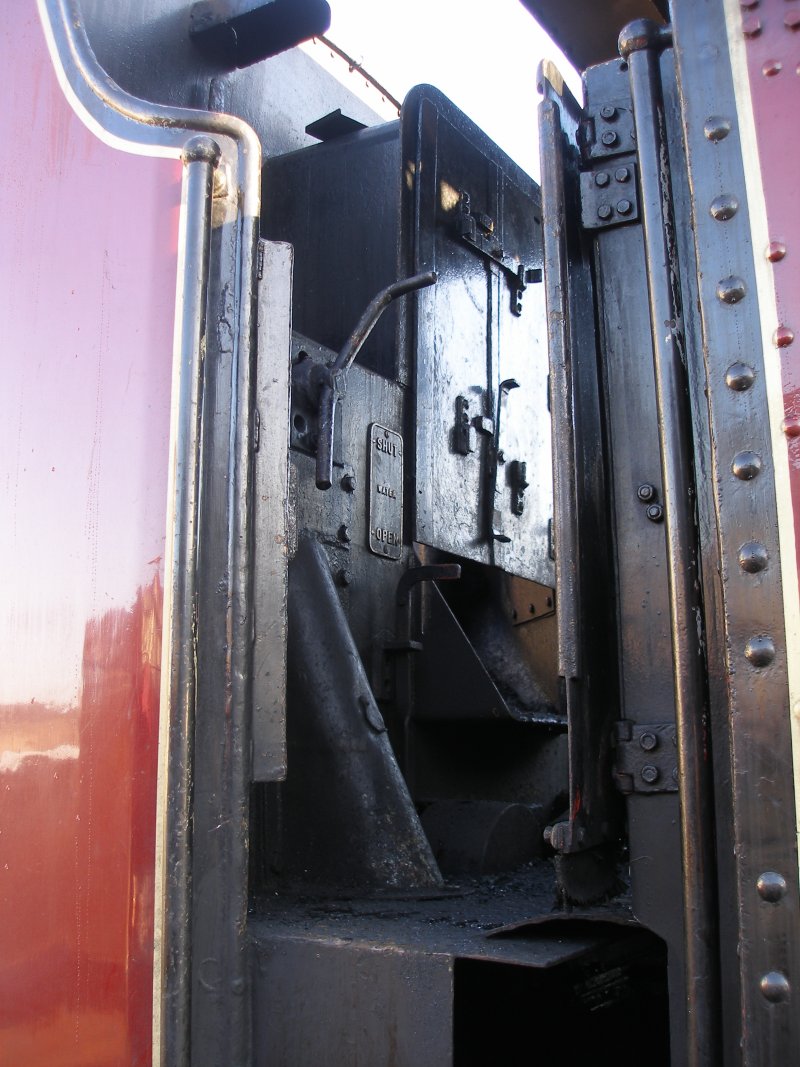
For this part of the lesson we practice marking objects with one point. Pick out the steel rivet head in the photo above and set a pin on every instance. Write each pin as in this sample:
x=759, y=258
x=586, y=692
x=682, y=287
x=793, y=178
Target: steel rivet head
x=601, y=178
x=775, y=987
x=717, y=128
x=753, y=557
x=783, y=337
x=751, y=26
x=724, y=207
x=760, y=650
x=746, y=465
x=771, y=886
x=791, y=426
x=776, y=250
x=791, y=19
x=739, y=377
x=731, y=290
x=771, y=68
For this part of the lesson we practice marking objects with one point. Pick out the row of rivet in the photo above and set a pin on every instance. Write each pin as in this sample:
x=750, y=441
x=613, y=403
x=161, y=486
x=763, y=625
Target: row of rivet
x=753, y=556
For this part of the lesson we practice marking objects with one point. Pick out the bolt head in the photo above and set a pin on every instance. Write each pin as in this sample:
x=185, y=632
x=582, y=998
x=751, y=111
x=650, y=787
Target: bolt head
x=650, y=774
x=624, y=207
x=609, y=138
x=622, y=174
x=648, y=741
x=601, y=179
x=655, y=513
x=608, y=112
x=604, y=212
x=646, y=492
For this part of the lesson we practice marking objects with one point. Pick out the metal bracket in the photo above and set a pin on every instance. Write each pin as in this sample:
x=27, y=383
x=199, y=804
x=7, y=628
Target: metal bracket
x=646, y=757
x=609, y=196
x=479, y=231
x=608, y=131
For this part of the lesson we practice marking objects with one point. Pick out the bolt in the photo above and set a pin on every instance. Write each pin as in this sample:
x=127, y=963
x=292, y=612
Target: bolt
x=344, y=534
x=348, y=483
x=622, y=174
x=624, y=207
x=648, y=741
x=646, y=492
x=604, y=212
x=601, y=178
x=746, y=465
x=608, y=112
x=740, y=377
x=771, y=886
x=650, y=774
x=655, y=513
x=609, y=138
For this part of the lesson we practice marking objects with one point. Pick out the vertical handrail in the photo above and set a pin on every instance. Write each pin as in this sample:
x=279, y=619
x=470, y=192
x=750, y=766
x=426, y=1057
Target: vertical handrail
x=641, y=44
x=200, y=157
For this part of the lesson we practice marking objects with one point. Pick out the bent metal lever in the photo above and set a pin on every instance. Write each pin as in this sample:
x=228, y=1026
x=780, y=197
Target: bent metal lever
x=334, y=377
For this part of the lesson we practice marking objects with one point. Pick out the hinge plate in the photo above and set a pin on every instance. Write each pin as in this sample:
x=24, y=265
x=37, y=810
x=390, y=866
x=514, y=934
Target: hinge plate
x=609, y=195
x=646, y=757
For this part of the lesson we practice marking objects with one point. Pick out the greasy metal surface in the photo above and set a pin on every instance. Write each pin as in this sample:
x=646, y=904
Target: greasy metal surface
x=236, y=33
x=385, y=491
x=750, y=705
x=344, y=815
x=270, y=512
x=89, y=272
x=467, y=340
x=677, y=485
x=586, y=30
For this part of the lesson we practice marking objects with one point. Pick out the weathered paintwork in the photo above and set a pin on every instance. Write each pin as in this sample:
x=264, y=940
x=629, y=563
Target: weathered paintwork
x=89, y=261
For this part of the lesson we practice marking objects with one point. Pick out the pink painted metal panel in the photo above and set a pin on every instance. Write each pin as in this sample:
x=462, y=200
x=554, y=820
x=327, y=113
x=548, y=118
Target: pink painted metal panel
x=88, y=261
x=771, y=31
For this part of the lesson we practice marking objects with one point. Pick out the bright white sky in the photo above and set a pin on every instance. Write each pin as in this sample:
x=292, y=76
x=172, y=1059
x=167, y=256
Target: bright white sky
x=483, y=54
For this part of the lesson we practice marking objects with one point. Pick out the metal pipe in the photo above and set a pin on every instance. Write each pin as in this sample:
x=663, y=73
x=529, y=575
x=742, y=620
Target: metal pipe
x=334, y=383
x=641, y=44
x=200, y=158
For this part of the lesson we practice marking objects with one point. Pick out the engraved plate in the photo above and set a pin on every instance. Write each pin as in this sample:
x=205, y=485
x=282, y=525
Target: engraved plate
x=385, y=492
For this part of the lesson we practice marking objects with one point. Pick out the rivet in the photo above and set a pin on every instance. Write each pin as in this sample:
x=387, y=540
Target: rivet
x=604, y=211
x=791, y=426
x=654, y=512
x=724, y=207
x=751, y=26
x=648, y=741
x=753, y=557
x=622, y=174
x=731, y=290
x=783, y=337
x=601, y=178
x=624, y=207
x=608, y=112
x=746, y=465
x=775, y=987
x=646, y=492
x=717, y=128
x=760, y=650
x=771, y=886
x=791, y=19
x=776, y=250
x=650, y=774
x=609, y=138
x=739, y=377
x=771, y=68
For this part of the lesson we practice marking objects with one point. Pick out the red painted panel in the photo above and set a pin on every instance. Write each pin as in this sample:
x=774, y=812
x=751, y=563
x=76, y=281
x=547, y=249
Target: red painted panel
x=88, y=247
x=771, y=31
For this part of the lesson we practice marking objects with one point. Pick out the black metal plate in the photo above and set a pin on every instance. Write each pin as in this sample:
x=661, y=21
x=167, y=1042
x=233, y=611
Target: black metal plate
x=385, y=491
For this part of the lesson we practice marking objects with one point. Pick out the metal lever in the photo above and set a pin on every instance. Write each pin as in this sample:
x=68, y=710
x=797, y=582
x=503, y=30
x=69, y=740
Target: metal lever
x=334, y=377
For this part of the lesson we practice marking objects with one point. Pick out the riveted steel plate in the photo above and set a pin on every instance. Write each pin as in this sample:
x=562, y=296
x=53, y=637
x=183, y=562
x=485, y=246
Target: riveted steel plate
x=385, y=491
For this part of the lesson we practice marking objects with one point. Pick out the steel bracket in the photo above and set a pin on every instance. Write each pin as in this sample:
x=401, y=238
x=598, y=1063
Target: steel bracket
x=479, y=231
x=646, y=757
x=609, y=195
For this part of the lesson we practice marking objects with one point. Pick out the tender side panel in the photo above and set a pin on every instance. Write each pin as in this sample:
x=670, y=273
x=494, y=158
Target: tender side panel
x=88, y=240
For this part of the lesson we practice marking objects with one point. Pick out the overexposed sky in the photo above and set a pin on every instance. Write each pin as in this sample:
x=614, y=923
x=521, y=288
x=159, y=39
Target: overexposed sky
x=483, y=54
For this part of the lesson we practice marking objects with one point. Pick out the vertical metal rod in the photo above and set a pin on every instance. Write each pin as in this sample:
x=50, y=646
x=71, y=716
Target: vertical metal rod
x=641, y=44
x=200, y=157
